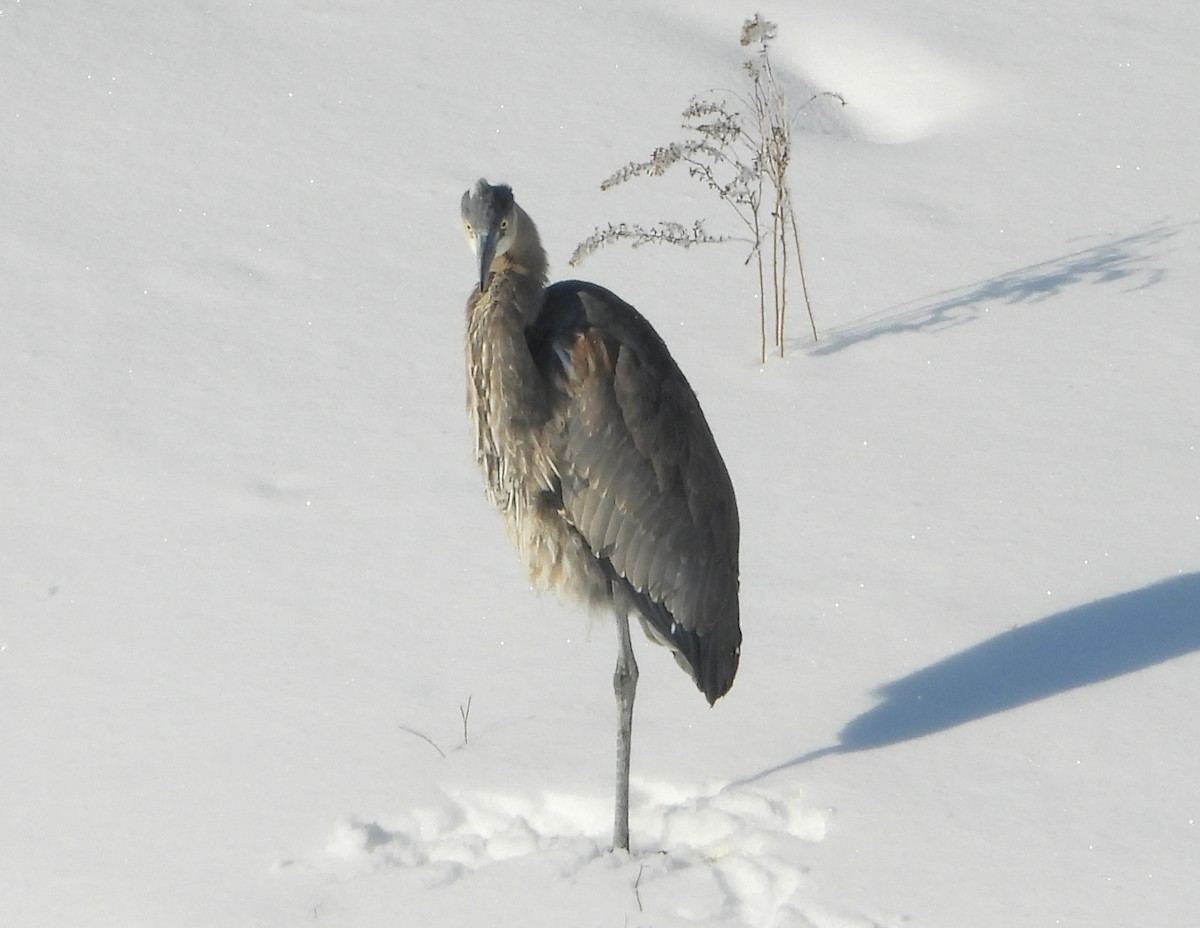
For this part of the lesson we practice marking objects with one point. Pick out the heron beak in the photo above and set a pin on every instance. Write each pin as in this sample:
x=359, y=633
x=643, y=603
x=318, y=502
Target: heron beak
x=485, y=248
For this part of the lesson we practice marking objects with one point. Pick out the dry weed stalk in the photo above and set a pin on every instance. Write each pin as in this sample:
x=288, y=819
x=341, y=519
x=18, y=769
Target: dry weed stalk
x=743, y=158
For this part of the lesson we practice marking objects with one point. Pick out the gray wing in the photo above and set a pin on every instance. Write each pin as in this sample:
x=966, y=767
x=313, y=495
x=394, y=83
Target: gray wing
x=641, y=477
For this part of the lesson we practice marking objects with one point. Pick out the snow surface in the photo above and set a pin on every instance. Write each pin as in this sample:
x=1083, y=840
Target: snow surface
x=250, y=582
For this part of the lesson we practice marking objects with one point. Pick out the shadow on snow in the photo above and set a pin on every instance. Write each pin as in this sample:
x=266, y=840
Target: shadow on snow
x=1088, y=644
x=1121, y=260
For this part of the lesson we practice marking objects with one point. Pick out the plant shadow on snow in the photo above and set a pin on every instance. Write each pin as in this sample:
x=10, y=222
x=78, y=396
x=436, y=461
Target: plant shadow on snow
x=1085, y=645
x=1120, y=260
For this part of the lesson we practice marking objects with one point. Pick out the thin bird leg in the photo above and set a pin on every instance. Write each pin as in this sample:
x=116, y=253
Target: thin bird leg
x=624, y=686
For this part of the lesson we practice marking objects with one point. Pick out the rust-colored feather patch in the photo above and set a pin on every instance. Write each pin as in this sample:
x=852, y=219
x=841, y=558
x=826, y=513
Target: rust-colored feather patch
x=589, y=357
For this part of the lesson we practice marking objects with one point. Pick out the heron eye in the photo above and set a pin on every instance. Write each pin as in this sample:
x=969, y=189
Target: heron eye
x=503, y=225
x=468, y=225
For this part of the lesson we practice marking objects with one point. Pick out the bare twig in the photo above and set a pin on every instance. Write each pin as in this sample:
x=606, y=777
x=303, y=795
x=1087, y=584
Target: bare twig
x=465, y=712
x=803, y=283
x=424, y=737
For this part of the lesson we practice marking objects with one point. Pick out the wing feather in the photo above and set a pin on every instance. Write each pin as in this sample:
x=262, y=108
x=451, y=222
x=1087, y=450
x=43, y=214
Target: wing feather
x=642, y=479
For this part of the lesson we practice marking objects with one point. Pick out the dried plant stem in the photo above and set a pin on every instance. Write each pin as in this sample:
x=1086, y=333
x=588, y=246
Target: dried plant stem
x=736, y=155
x=803, y=282
x=783, y=266
x=775, y=272
x=465, y=712
x=762, y=285
x=424, y=737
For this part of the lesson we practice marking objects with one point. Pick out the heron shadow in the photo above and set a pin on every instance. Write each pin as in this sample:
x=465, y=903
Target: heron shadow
x=1122, y=260
x=1088, y=644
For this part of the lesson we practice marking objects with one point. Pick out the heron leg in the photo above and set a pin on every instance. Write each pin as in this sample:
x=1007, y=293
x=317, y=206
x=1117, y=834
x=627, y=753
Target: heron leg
x=624, y=686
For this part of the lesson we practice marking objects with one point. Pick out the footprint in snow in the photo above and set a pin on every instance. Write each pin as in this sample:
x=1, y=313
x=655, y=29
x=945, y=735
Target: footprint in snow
x=737, y=853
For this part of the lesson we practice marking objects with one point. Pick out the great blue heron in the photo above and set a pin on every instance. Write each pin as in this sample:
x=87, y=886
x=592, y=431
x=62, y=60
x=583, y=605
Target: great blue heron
x=595, y=450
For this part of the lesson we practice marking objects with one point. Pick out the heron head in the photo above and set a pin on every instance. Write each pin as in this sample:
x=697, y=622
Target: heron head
x=489, y=215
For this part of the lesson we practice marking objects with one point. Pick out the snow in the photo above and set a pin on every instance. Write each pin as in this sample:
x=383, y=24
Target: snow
x=250, y=582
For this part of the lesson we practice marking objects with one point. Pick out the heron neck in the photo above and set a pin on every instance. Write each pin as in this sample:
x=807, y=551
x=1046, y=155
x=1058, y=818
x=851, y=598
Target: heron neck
x=526, y=255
